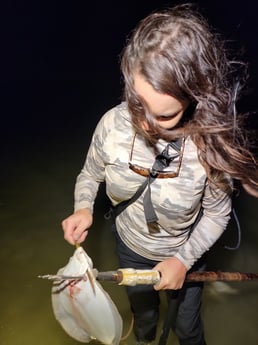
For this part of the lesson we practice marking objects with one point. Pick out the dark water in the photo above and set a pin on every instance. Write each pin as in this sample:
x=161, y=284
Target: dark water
x=37, y=193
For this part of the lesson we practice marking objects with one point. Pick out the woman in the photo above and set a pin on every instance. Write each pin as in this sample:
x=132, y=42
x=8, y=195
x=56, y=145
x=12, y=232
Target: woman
x=179, y=113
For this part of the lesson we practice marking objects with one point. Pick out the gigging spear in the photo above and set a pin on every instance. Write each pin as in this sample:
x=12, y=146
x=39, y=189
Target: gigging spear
x=132, y=277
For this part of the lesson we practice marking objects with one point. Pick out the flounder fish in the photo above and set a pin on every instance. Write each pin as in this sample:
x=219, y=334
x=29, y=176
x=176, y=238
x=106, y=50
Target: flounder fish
x=82, y=307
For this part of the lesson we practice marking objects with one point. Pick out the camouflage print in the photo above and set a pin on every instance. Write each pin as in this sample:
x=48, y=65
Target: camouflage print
x=176, y=201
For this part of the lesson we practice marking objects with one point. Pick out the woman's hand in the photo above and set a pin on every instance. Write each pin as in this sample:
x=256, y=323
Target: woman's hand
x=75, y=226
x=172, y=272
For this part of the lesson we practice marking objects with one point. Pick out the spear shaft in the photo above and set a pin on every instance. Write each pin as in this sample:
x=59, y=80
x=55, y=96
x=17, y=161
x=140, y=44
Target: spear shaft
x=129, y=276
x=132, y=277
x=210, y=276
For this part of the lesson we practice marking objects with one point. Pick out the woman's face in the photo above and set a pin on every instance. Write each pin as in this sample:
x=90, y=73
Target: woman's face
x=166, y=110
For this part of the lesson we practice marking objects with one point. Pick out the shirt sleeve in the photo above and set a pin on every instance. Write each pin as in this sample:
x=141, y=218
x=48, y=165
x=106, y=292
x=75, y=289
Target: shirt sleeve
x=217, y=206
x=93, y=171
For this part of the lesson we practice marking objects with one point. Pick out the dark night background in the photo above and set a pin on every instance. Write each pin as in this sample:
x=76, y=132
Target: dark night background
x=60, y=60
x=59, y=72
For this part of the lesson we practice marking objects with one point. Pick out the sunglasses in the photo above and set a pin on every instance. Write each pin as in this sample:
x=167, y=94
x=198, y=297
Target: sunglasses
x=154, y=172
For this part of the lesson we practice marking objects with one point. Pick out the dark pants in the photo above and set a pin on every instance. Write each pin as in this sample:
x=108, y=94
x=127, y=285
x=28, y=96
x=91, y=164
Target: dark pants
x=144, y=301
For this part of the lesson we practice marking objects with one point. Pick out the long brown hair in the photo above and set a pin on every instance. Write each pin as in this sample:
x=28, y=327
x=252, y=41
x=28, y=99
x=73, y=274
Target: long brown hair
x=177, y=52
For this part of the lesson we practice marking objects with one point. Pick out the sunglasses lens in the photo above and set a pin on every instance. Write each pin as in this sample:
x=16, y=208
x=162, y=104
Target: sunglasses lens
x=154, y=172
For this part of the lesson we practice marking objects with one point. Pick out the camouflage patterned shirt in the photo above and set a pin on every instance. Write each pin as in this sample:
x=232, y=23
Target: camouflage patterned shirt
x=176, y=201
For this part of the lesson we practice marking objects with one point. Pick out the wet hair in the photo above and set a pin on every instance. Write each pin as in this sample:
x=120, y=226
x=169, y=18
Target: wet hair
x=179, y=54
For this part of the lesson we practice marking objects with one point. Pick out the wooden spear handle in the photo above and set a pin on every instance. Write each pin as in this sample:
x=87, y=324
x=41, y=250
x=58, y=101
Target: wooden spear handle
x=132, y=277
x=210, y=276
